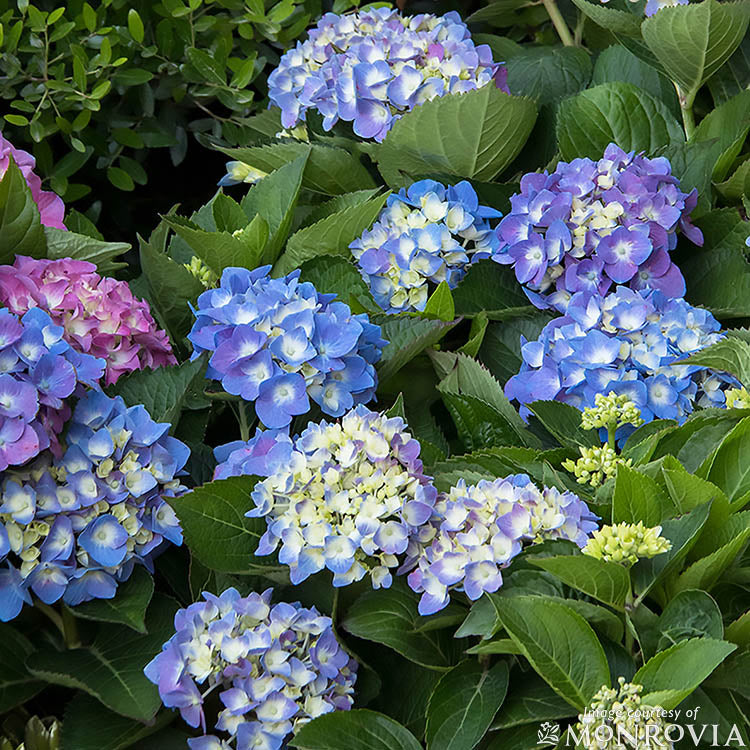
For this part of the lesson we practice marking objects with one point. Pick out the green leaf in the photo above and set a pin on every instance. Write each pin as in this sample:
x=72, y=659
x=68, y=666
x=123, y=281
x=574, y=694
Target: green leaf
x=733, y=76
x=491, y=289
x=728, y=467
x=561, y=647
x=17, y=685
x=612, y=19
x=718, y=275
x=390, y=617
x=563, y=422
x=463, y=704
x=333, y=275
x=172, y=288
x=407, y=337
x=706, y=572
x=215, y=526
x=135, y=25
x=739, y=631
x=128, y=607
x=549, y=73
x=21, y=231
x=482, y=413
x=728, y=125
x=606, y=581
x=693, y=41
x=501, y=349
x=614, y=112
x=690, y=614
x=208, y=68
x=440, y=303
x=87, y=725
x=62, y=244
x=275, y=198
x=111, y=668
x=637, y=498
x=731, y=354
x=683, y=533
x=161, y=391
x=330, y=236
x=476, y=134
x=331, y=171
x=120, y=179
x=671, y=675
x=616, y=63
x=530, y=701
x=220, y=250
x=358, y=729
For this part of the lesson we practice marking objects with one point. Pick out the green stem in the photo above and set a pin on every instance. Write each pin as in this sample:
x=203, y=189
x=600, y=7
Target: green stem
x=559, y=23
x=70, y=628
x=244, y=426
x=629, y=606
x=52, y=614
x=578, y=31
x=686, y=107
x=611, y=430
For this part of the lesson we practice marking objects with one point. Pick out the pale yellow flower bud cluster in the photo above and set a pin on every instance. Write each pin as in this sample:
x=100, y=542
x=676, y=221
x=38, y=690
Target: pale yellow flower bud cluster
x=595, y=465
x=611, y=409
x=626, y=543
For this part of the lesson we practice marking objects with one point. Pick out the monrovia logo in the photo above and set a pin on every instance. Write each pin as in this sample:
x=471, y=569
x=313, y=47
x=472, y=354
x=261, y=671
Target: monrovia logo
x=642, y=736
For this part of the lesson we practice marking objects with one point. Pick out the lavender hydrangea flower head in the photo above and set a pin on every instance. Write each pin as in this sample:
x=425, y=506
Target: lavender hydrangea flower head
x=72, y=527
x=370, y=67
x=38, y=372
x=278, y=343
x=275, y=668
x=99, y=315
x=593, y=224
x=426, y=234
x=347, y=497
x=477, y=530
x=50, y=205
x=626, y=343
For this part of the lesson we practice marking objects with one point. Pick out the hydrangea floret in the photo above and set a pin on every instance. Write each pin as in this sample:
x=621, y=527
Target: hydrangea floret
x=370, y=67
x=737, y=398
x=626, y=343
x=38, y=372
x=652, y=6
x=72, y=528
x=99, y=315
x=616, y=718
x=477, y=530
x=347, y=497
x=426, y=234
x=260, y=456
x=278, y=343
x=626, y=543
x=275, y=667
x=593, y=224
x=50, y=205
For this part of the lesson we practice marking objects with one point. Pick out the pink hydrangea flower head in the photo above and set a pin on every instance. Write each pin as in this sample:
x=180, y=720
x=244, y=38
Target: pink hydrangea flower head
x=100, y=315
x=51, y=206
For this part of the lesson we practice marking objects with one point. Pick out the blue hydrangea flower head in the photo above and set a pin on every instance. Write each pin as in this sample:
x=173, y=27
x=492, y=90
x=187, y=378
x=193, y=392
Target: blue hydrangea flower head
x=73, y=527
x=278, y=343
x=346, y=497
x=275, y=667
x=38, y=372
x=260, y=456
x=591, y=225
x=371, y=66
x=426, y=234
x=475, y=532
x=627, y=343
